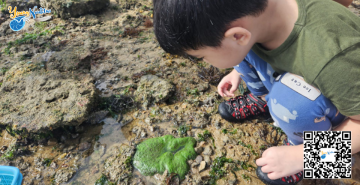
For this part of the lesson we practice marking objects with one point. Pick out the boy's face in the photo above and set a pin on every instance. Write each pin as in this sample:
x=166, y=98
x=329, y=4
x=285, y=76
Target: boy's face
x=228, y=55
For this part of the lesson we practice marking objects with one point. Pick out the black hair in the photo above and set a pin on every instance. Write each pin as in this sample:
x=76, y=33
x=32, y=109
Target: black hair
x=181, y=25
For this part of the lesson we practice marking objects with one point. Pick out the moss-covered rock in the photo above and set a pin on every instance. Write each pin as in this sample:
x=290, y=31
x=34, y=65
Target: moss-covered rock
x=165, y=153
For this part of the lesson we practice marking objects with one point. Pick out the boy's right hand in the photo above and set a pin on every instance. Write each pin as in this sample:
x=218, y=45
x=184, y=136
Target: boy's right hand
x=230, y=81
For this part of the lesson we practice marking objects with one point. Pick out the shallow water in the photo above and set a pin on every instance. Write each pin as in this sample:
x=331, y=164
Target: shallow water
x=110, y=135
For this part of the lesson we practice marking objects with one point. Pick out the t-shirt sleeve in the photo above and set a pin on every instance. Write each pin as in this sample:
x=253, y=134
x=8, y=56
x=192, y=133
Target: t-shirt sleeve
x=339, y=81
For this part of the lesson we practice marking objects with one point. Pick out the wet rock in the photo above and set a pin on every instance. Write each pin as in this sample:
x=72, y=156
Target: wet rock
x=202, y=87
x=67, y=9
x=217, y=125
x=102, y=149
x=202, y=166
x=198, y=159
x=96, y=117
x=64, y=175
x=22, y=5
x=152, y=129
x=148, y=121
x=21, y=164
x=115, y=166
x=94, y=169
x=198, y=150
x=207, y=159
x=225, y=139
x=70, y=59
x=143, y=134
x=231, y=178
x=53, y=165
x=84, y=146
x=52, y=142
x=201, y=121
x=153, y=89
x=127, y=4
x=126, y=120
x=36, y=99
x=208, y=150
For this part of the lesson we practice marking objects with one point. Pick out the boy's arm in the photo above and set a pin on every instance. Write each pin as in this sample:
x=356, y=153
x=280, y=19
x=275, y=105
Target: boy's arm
x=352, y=124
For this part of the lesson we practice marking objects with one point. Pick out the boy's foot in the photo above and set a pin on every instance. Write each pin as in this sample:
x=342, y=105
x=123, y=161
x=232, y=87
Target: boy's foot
x=289, y=180
x=242, y=107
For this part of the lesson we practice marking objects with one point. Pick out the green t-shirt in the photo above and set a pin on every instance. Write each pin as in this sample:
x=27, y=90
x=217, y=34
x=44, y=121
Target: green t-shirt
x=324, y=48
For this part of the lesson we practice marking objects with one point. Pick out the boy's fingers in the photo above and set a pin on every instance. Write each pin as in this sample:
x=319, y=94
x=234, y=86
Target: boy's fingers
x=266, y=169
x=233, y=89
x=260, y=162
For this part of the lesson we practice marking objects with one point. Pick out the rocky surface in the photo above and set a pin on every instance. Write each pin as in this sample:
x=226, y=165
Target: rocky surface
x=152, y=89
x=74, y=8
x=92, y=84
x=36, y=99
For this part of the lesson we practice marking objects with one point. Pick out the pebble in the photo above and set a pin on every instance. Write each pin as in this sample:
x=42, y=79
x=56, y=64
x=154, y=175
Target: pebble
x=53, y=165
x=202, y=143
x=198, y=159
x=62, y=156
x=208, y=150
x=198, y=150
x=143, y=134
x=84, y=146
x=202, y=166
x=102, y=149
x=207, y=159
x=148, y=121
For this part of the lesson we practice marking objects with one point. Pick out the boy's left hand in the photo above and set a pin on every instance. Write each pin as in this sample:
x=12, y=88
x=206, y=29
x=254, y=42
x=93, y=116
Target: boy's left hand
x=282, y=161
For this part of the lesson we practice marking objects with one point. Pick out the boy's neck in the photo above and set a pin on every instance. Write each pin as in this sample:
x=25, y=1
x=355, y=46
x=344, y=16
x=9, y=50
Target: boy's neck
x=275, y=24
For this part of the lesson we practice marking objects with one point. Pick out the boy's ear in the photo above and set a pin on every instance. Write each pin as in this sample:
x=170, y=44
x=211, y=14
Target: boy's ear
x=240, y=35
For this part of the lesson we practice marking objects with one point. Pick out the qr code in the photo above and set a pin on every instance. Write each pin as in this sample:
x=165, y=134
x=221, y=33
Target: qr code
x=327, y=154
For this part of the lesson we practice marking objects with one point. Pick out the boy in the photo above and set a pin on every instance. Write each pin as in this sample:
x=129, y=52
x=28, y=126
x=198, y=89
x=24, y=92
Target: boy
x=316, y=39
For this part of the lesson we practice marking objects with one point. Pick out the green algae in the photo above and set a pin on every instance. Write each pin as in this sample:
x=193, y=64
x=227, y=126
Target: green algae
x=165, y=153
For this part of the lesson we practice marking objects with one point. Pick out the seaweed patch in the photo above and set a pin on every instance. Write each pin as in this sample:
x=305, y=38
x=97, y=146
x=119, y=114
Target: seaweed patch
x=165, y=153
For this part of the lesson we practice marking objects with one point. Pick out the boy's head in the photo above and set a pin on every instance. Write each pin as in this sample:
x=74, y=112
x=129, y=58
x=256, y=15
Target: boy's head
x=203, y=27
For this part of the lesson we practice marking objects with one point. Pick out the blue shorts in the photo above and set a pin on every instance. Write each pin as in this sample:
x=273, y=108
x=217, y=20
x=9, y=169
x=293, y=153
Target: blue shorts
x=294, y=105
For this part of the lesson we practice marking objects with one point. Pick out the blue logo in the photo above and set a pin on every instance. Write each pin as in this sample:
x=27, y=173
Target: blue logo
x=20, y=19
x=323, y=154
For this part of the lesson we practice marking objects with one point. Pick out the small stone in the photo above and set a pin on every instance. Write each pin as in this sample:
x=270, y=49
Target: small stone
x=63, y=138
x=202, y=166
x=52, y=142
x=202, y=143
x=62, y=156
x=208, y=150
x=94, y=169
x=148, y=121
x=217, y=125
x=84, y=146
x=225, y=139
x=198, y=150
x=231, y=179
x=198, y=159
x=152, y=129
x=207, y=159
x=102, y=149
x=53, y=165
x=143, y=134
x=194, y=164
